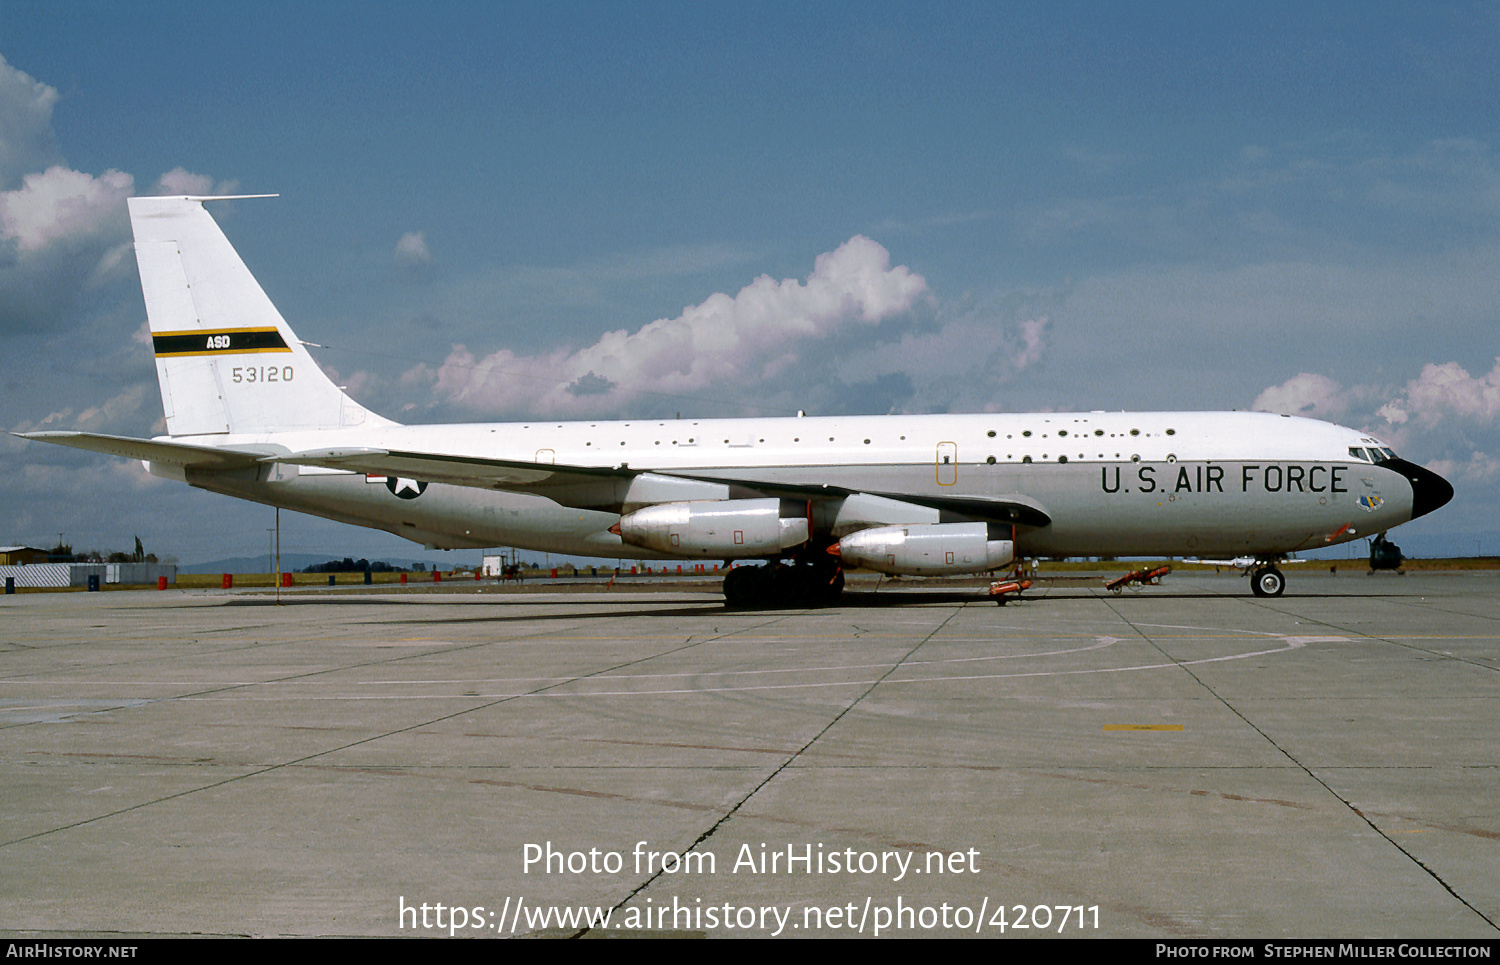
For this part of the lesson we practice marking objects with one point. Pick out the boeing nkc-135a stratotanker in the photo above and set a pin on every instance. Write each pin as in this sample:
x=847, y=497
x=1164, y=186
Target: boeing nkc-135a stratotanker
x=250, y=414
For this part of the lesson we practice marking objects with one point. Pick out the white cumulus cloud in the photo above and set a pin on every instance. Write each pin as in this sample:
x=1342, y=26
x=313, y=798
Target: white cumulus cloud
x=724, y=340
x=64, y=233
x=181, y=181
x=1305, y=394
x=59, y=204
x=1448, y=389
x=412, y=249
x=26, y=141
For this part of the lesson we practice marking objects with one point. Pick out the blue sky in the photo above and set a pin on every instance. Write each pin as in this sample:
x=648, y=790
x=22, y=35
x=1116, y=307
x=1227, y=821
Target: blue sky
x=1086, y=206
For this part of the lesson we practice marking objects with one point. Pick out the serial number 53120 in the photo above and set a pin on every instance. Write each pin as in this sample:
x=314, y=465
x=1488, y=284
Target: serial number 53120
x=261, y=373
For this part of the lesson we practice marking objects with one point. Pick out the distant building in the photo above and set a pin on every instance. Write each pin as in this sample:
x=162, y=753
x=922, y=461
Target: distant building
x=78, y=574
x=23, y=555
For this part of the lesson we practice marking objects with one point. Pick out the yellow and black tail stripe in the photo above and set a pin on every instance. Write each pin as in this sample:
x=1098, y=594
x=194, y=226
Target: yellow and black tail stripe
x=218, y=341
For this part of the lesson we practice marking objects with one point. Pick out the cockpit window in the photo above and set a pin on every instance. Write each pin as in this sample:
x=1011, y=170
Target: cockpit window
x=1383, y=453
x=1358, y=453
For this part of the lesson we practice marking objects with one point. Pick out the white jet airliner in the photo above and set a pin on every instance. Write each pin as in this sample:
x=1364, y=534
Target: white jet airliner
x=250, y=414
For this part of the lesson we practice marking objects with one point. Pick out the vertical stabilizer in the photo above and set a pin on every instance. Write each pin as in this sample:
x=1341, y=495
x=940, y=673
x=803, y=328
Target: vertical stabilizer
x=225, y=358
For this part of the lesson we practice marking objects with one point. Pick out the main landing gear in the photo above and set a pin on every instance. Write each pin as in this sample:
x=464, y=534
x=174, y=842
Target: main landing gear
x=779, y=584
x=1267, y=580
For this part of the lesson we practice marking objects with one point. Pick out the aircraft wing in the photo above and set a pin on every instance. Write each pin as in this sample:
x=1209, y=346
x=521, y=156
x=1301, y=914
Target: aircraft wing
x=996, y=509
x=169, y=453
x=518, y=475
x=1011, y=508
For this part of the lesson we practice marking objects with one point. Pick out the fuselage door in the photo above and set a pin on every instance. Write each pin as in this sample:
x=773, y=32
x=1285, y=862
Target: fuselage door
x=947, y=463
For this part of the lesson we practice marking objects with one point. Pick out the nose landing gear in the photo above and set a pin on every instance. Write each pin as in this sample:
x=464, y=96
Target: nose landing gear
x=1267, y=581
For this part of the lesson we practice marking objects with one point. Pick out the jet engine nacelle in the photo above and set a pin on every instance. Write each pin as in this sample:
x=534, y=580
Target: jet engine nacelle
x=934, y=549
x=726, y=528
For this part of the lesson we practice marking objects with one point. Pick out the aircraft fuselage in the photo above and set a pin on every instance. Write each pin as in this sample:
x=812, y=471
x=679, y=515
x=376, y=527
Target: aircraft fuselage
x=1178, y=483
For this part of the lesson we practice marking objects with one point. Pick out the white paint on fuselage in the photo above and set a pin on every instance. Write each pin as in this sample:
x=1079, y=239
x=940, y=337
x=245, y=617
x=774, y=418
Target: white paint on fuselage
x=693, y=444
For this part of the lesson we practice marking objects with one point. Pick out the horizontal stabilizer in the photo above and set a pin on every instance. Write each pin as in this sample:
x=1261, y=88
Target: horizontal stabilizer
x=511, y=474
x=166, y=453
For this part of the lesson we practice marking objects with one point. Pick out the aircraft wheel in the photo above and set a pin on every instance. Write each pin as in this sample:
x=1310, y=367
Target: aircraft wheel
x=789, y=586
x=785, y=585
x=1268, y=581
x=745, y=586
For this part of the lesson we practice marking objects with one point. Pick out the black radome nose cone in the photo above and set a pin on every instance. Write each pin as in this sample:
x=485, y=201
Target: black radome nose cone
x=1429, y=491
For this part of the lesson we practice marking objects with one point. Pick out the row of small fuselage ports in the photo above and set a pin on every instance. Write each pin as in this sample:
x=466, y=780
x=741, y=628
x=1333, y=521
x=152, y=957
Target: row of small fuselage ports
x=750, y=528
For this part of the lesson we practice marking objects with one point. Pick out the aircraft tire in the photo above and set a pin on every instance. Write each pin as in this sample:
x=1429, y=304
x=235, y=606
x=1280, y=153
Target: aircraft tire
x=745, y=587
x=787, y=585
x=791, y=586
x=1268, y=581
